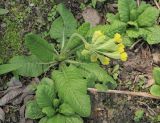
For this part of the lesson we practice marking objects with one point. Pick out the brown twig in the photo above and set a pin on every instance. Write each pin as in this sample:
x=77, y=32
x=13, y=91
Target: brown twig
x=157, y=4
x=134, y=44
x=141, y=94
x=138, y=2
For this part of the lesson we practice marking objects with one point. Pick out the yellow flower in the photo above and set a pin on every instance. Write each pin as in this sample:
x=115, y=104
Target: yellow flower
x=100, y=39
x=96, y=35
x=94, y=57
x=87, y=46
x=121, y=45
x=104, y=60
x=121, y=48
x=124, y=56
x=117, y=38
x=85, y=52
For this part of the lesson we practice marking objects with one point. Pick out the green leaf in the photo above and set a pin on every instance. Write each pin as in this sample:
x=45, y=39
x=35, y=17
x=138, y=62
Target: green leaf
x=155, y=90
x=153, y=36
x=64, y=26
x=133, y=33
x=127, y=41
x=66, y=109
x=124, y=9
x=101, y=87
x=45, y=95
x=148, y=17
x=98, y=72
x=5, y=68
x=49, y=111
x=39, y=47
x=137, y=33
x=115, y=27
x=57, y=30
x=156, y=75
x=47, y=81
x=56, y=103
x=142, y=7
x=133, y=15
x=111, y=17
x=30, y=66
x=72, y=88
x=138, y=115
x=33, y=111
x=65, y=119
x=43, y=120
x=82, y=30
x=3, y=11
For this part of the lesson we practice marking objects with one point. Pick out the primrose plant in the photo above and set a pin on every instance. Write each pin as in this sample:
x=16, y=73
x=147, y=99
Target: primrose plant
x=133, y=21
x=76, y=59
x=155, y=89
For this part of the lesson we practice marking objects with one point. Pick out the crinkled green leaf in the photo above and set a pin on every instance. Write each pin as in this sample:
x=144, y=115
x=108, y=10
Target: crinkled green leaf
x=155, y=90
x=142, y=7
x=134, y=33
x=66, y=109
x=148, y=17
x=127, y=41
x=45, y=95
x=153, y=36
x=33, y=111
x=115, y=27
x=124, y=9
x=99, y=73
x=43, y=120
x=133, y=24
x=133, y=14
x=72, y=88
x=65, y=119
x=112, y=17
x=49, y=111
x=39, y=47
x=101, y=28
x=101, y=87
x=156, y=75
x=56, y=102
x=5, y=68
x=76, y=41
x=64, y=26
x=30, y=66
x=47, y=81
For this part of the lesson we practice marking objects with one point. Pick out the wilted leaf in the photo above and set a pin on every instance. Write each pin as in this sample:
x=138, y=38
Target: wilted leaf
x=2, y=115
x=10, y=95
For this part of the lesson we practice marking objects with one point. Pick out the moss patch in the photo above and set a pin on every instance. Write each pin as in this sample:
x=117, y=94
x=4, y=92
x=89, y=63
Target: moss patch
x=11, y=42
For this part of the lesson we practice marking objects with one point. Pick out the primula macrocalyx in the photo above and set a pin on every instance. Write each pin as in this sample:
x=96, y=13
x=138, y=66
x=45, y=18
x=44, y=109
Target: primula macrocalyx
x=94, y=57
x=102, y=48
x=117, y=38
x=87, y=46
x=104, y=60
x=124, y=56
x=96, y=35
x=85, y=52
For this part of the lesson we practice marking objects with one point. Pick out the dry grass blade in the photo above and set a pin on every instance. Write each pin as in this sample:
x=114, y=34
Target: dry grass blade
x=141, y=94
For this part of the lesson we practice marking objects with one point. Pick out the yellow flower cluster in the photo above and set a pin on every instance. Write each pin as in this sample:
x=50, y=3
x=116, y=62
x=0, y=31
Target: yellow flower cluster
x=102, y=49
x=123, y=54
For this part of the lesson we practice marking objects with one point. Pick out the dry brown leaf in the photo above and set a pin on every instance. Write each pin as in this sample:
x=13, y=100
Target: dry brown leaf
x=2, y=115
x=10, y=95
